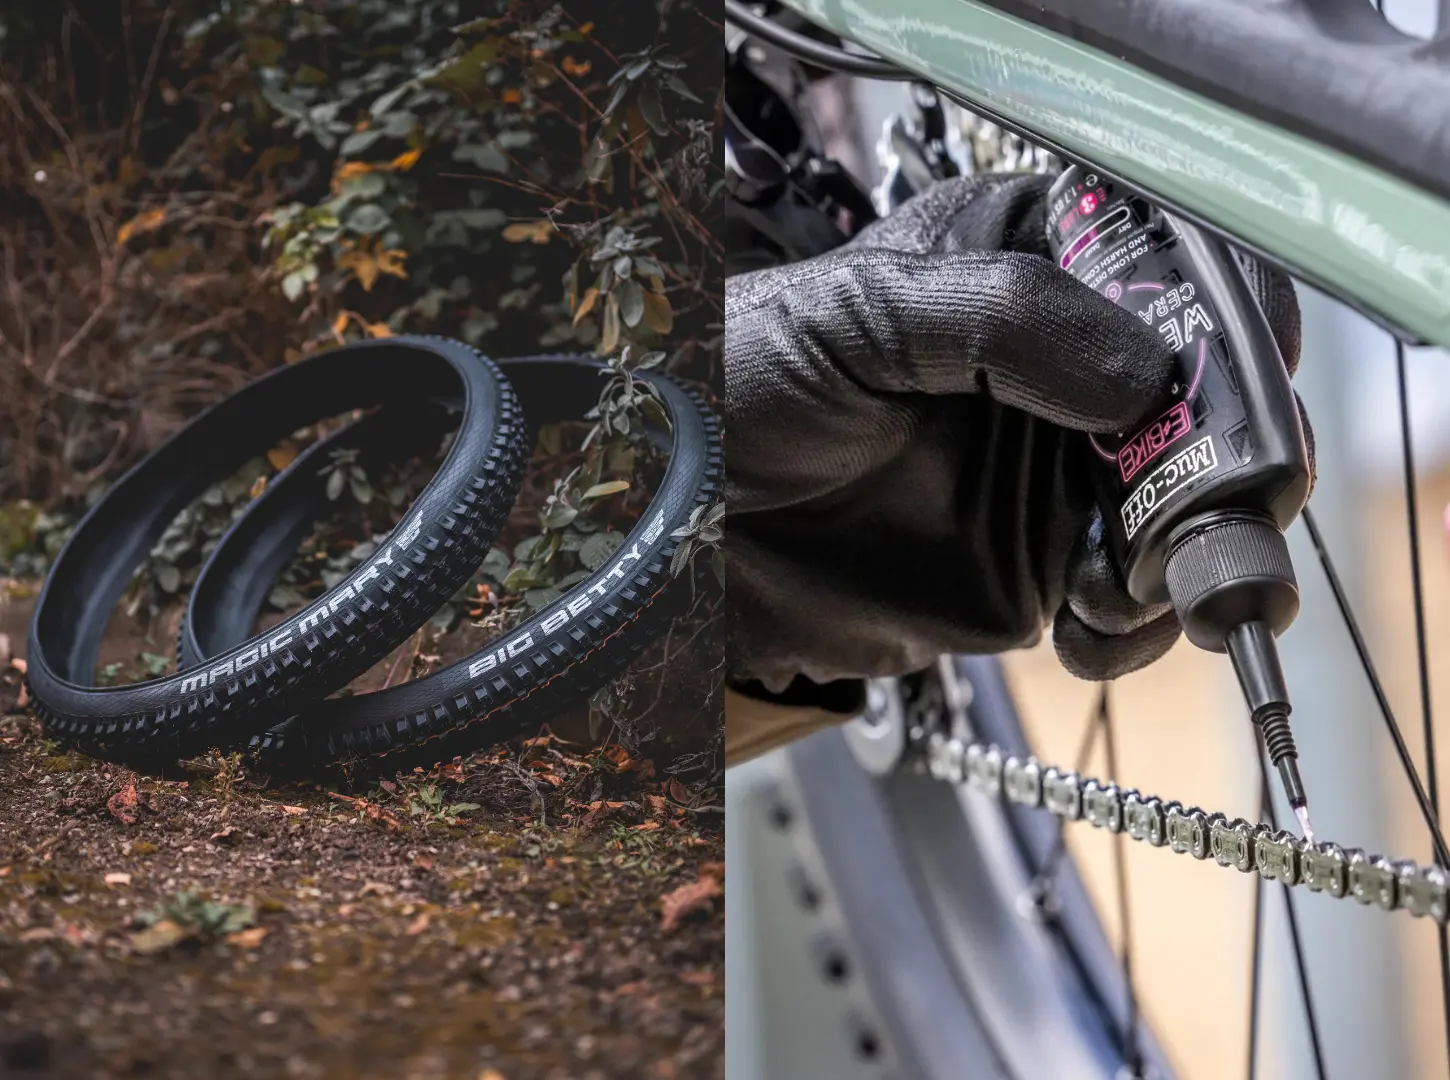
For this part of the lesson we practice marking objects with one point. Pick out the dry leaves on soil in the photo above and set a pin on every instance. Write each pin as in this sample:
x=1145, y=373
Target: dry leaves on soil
x=692, y=896
x=122, y=805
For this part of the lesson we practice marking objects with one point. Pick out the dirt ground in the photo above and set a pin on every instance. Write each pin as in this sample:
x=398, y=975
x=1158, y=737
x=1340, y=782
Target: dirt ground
x=543, y=910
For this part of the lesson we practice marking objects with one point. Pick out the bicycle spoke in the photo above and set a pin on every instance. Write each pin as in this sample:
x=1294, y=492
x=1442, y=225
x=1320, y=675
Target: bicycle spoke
x=1311, y=1018
x=1412, y=520
x=1085, y=745
x=1442, y=856
x=1120, y=869
x=1255, y=968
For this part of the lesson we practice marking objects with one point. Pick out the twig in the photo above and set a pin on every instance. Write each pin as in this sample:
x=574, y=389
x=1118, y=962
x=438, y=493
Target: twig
x=146, y=80
x=417, y=647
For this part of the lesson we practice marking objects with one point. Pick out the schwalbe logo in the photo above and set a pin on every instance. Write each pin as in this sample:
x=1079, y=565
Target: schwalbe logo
x=571, y=608
x=309, y=620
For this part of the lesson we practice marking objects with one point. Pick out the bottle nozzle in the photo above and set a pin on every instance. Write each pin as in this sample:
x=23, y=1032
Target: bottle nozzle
x=1256, y=660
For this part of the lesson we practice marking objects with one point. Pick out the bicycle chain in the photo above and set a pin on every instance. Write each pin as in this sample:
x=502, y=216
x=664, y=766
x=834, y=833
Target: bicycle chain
x=1233, y=843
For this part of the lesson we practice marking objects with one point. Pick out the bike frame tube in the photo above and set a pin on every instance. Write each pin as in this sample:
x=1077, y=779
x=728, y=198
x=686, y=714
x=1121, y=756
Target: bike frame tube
x=1372, y=240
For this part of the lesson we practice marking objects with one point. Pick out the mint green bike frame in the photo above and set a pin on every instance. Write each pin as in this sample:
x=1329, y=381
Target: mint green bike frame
x=1360, y=234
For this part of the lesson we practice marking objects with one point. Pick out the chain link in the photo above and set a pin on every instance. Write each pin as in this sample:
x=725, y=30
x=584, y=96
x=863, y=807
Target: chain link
x=1233, y=843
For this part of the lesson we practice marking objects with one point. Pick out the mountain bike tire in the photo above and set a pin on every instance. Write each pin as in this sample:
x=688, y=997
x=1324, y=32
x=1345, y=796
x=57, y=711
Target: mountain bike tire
x=262, y=678
x=920, y=894
x=556, y=658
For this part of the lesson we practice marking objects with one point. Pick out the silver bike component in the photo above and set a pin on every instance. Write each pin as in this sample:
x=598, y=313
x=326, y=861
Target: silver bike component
x=1143, y=815
x=946, y=758
x=1423, y=890
x=1102, y=806
x=984, y=769
x=995, y=149
x=1324, y=868
x=957, y=695
x=1188, y=831
x=1373, y=879
x=877, y=737
x=1062, y=793
x=1022, y=781
x=1276, y=855
x=1233, y=843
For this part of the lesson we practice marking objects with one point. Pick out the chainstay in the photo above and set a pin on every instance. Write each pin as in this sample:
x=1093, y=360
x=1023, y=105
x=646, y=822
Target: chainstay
x=1232, y=843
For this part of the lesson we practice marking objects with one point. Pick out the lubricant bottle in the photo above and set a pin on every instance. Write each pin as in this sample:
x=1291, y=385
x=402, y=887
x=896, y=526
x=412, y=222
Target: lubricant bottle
x=1195, y=501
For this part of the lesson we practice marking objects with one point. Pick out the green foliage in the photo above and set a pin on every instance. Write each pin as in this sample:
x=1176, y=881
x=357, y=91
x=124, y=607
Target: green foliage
x=570, y=544
x=199, y=917
x=427, y=802
x=703, y=532
x=445, y=141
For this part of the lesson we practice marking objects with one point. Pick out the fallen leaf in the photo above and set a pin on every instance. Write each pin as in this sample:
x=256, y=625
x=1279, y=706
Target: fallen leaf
x=158, y=936
x=259, y=485
x=23, y=698
x=694, y=896
x=491, y=1074
x=511, y=96
x=648, y=826
x=423, y=862
x=36, y=933
x=4, y=648
x=291, y=811
x=704, y=977
x=117, y=877
x=536, y=231
x=379, y=330
x=339, y=324
x=224, y=836
x=247, y=939
x=418, y=925
x=678, y=792
x=407, y=159
x=19, y=664
x=576, y=67
x=122, y=805
x=76, y=934
x=144, y=222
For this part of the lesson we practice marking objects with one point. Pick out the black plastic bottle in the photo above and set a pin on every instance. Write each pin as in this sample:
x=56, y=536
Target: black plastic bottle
x=1195, y=502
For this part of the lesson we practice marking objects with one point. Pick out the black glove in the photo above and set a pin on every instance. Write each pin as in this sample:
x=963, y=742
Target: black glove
x=906, y=467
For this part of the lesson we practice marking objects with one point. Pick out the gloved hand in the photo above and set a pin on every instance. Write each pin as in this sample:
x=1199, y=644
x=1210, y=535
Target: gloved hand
x=906, y=467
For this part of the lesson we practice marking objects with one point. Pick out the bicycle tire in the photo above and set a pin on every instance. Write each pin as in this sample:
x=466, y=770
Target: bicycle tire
x=536, y=667
x=919, y=891
x=435, y=548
